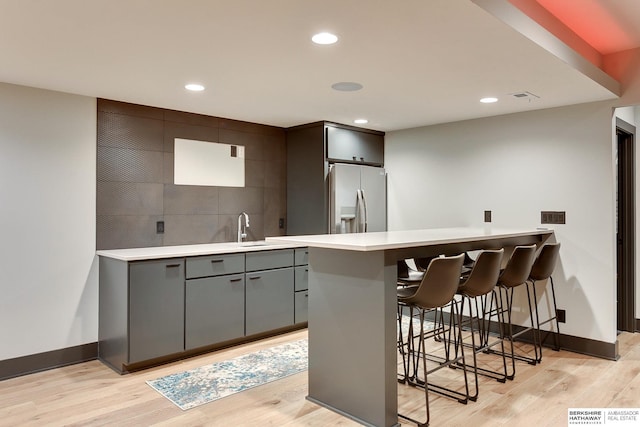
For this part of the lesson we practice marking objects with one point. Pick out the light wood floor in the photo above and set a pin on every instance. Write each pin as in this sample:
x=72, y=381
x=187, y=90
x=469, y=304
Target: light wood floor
x=92, y=394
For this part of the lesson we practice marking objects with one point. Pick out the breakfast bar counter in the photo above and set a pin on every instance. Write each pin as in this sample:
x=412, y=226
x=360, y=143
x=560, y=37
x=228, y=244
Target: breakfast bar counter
x=352, y=310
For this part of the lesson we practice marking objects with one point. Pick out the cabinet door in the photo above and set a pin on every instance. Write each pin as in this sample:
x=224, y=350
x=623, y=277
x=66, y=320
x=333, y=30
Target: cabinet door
x=269, y=300
x=353, y=146
x=214, y=310
x=156, y=309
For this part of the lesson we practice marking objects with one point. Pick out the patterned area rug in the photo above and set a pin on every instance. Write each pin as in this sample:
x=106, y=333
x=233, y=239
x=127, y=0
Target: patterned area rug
x=428, y=325
x=208, y=383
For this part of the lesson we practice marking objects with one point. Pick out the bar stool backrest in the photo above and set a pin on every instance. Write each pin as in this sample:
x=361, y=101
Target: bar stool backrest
x=484, y=275
x=439, y=284
x=546, y=262
x=519, y=266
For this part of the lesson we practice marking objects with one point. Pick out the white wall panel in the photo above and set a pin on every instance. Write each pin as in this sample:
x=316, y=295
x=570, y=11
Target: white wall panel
x=517, y=165
x=47, y=216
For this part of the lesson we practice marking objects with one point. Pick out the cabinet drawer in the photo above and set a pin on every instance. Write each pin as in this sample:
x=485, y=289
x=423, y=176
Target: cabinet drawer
x=266, y=260
x=302, y=306
x=302, y=278
x=301, y=256
x=214, y=265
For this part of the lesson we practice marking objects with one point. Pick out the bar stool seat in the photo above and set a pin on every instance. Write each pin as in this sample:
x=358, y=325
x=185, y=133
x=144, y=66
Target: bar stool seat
x=408, y=276
x=542, y=270
x=474, y=288
x=515, y=274
x=436, y=290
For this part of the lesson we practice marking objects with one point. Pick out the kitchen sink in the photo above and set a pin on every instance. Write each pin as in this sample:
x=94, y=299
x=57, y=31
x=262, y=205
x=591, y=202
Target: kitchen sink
x=255, y=243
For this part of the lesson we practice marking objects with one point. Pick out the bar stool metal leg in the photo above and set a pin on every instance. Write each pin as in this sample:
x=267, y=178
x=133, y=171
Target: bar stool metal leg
x=542, y=269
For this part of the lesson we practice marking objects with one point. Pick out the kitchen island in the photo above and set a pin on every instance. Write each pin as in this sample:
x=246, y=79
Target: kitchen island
x=352, y=310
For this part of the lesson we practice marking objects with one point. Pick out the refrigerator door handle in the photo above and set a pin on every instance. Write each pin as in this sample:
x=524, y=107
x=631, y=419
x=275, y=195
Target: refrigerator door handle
x=365, y=210
x=358, y=211
x=361, y=212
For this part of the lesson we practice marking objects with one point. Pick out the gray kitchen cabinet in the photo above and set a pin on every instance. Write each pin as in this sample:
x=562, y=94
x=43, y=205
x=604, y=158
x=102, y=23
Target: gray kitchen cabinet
x=214, y=299
x=354, y=146
x=301, y=287
x=141, y=311
x=162, y=309
x=214, y=265
x=268, y=260
x=301, y=256
x=156, y=309
x=302, y=306
x=269, y=298
x=214, y=310
x=301, y=278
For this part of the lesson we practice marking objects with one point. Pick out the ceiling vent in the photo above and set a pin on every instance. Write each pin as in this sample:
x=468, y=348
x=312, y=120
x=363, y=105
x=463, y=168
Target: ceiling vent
x=525, y=95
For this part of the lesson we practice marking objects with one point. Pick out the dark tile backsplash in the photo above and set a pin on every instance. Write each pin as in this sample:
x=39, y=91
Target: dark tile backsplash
x=135, y=186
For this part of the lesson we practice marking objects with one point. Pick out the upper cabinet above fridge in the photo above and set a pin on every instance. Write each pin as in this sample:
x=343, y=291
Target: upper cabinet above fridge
x=354, y=146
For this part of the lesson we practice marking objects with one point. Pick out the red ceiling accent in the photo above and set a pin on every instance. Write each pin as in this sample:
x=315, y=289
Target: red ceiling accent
x=600, y=23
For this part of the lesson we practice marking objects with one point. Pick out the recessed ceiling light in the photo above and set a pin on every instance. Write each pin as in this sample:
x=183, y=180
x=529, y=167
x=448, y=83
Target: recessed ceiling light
x=361, y=121
x=324, y=38
x=194, y=87
x=346, y=86
x=489, y=100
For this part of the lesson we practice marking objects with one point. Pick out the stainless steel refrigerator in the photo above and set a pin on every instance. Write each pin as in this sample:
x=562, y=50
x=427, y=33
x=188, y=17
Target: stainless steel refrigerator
x=357, y=198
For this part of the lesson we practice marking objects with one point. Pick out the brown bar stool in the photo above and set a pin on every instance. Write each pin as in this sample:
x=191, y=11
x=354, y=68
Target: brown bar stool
x=479, y=283
x=542, y=270
x=515, y=274
x=436, y=290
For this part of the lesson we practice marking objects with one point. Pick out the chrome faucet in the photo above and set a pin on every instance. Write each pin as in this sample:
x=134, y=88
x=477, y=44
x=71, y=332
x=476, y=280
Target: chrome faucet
x=242, y=230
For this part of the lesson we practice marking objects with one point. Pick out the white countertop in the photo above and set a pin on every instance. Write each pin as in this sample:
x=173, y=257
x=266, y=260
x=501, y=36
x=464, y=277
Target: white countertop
x=404, y=239
x=160, y=252
x=354, y=242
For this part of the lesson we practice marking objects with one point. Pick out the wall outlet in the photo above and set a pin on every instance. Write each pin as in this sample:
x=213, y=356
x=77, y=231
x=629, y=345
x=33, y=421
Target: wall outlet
x=487, y=216
x=561, y=315
x=281, y=223
x=553, y=217
x=159, y=227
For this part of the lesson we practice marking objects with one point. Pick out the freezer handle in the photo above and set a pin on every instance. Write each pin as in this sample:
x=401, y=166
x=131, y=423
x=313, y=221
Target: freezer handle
x=361, y=212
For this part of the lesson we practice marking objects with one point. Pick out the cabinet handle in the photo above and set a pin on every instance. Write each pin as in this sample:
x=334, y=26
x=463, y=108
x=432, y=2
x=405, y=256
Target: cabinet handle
x=217, y=260
x=235, y=280
x=173, y=265
x=255, y=277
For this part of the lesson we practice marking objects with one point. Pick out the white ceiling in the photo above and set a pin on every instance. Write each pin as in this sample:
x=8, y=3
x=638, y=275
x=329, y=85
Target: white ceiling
x=420, y=61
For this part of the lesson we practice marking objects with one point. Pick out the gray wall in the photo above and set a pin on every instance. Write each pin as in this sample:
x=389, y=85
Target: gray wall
x=135, y=179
